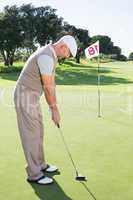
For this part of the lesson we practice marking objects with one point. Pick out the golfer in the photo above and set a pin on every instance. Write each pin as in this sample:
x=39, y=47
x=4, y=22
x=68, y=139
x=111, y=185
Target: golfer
x=38, y=75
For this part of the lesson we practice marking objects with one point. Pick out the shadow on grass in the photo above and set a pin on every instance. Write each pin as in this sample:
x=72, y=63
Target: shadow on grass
x=86, y=77
x=92, y=68
x=10, y=73
x=13, y=76
x=76, y=74
x=48, y=192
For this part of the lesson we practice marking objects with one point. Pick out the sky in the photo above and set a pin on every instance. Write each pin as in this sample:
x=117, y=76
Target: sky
x=101, y=17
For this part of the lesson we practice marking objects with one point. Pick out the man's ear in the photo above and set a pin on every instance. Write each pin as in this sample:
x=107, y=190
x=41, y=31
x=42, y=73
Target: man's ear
x=62, y=46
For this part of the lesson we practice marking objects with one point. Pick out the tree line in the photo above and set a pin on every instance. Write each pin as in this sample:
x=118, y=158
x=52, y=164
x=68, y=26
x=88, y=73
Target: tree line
x=25, y=27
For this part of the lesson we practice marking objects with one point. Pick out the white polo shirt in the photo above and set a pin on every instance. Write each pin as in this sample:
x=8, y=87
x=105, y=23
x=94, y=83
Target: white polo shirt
x=46, y=63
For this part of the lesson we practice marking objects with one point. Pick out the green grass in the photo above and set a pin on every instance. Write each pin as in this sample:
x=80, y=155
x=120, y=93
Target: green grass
x=101, y=147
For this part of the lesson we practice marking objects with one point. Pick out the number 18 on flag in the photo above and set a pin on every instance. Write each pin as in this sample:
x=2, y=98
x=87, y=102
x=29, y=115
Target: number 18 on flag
x=92, y=50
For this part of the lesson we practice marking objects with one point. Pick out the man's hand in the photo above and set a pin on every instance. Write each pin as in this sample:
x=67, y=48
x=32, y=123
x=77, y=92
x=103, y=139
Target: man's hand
x=55, y=115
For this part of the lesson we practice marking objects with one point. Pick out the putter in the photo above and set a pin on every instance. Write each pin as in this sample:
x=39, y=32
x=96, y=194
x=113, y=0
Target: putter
x=79, y=177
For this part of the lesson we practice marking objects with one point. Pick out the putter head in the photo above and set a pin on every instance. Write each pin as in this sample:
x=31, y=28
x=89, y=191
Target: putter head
x=80, y=177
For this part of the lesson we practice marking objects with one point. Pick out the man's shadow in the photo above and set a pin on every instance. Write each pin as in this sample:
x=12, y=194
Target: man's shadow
x=50, y=192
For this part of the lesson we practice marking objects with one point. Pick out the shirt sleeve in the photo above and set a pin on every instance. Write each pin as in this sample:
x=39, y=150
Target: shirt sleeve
x=45, y=64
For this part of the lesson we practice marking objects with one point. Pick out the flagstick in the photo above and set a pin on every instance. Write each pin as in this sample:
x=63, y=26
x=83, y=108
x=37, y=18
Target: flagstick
x=98, y=83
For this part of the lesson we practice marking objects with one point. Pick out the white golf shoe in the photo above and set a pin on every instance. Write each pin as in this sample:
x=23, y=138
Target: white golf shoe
x=44, y=180
x=50, y=169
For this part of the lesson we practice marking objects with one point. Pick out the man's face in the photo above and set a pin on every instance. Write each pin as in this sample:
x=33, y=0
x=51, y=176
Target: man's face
x=64, y=51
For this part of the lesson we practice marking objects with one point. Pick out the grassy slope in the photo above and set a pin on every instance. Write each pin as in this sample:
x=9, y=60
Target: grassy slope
x=101, y=147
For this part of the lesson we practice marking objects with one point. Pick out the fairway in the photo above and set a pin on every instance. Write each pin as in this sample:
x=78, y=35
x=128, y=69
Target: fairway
x=101, y=147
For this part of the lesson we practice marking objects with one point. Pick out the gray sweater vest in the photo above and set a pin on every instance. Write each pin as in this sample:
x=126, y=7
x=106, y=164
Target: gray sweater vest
x=30, y=75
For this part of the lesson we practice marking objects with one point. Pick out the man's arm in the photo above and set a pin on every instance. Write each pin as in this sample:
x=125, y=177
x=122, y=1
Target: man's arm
x=49, y=89
x=50, y=95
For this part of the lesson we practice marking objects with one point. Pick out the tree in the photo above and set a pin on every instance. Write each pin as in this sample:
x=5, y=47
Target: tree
x=40, y=25
x=82, y=35
x=116, y=50
x=27, y=13
x=121, y=58
x=78, y=55
x=10, y=34
x=47, y=24
x=106, y=45
x=131, y=56
x=69, y=28
x=24, y=27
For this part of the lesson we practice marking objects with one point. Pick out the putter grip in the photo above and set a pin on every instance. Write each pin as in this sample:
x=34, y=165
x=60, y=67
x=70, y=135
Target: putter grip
x=58, y=125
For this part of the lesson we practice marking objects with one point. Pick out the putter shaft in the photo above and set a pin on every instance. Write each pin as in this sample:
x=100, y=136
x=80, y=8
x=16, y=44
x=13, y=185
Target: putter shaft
x=67, y=149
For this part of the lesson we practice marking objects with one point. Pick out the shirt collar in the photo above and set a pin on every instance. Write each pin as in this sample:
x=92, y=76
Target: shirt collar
x=53, y=51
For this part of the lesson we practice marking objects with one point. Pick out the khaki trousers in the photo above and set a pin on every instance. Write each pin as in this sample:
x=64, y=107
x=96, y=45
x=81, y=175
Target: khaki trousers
x=30, y=125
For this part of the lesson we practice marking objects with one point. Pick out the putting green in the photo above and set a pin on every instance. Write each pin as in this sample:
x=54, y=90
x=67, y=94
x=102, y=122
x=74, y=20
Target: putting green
x=101, y=147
